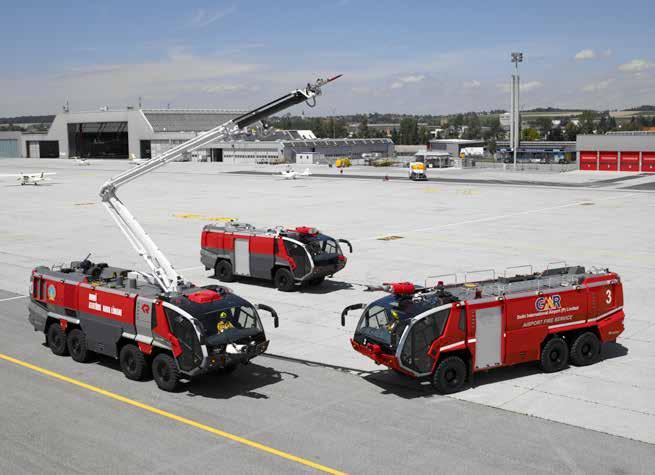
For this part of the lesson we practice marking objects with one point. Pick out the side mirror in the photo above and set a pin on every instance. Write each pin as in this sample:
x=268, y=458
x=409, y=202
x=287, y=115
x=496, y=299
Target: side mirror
x=356, y=306
x=350, y=246
x=266, y=308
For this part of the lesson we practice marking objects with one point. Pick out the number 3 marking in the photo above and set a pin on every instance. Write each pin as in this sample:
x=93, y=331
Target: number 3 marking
x=608, y=300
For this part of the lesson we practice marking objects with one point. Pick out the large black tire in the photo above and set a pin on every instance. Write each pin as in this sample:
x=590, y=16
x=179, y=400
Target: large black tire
x=76, y=342
x=165, y=372
x=57, y=339
x=585, y=349
x=450, y=375
x=315, y=282
x=224, y=272
x=283, y=280
x=554, y=355
x=133, y=362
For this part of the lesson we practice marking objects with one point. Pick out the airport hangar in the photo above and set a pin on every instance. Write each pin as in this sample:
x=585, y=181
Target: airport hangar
x=146, y=133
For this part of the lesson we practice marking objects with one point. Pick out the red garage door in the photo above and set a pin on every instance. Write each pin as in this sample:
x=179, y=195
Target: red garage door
x=648, y=162
x=609, y=161
x=588, y=161
x=629, y=162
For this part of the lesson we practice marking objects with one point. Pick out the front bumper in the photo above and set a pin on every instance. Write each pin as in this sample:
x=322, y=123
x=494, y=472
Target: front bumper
x=375, y=353
x=219, y=359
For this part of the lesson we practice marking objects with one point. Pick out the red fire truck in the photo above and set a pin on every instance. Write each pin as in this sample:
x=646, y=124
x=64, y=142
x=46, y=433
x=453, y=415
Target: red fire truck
x=288, y=257
x=92, y=308
x=448, y=332
x=153, y=321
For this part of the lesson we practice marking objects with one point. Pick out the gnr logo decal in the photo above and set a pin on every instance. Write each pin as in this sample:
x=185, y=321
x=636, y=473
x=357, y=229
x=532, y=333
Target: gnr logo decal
x=548, y=303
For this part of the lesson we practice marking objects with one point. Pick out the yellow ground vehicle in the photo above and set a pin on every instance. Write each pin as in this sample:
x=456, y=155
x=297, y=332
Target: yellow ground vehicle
x=417, y=171
x=342, y=162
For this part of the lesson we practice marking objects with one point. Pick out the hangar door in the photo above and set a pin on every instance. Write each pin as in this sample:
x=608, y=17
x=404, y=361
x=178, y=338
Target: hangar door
x=98, y=140
x=9, y=148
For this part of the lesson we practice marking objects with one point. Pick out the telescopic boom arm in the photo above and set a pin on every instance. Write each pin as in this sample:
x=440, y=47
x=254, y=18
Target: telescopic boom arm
x=163, y=272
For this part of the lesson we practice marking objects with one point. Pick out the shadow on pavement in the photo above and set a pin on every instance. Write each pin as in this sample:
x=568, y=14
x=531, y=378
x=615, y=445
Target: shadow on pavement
x=244, y=381
x=408, y=388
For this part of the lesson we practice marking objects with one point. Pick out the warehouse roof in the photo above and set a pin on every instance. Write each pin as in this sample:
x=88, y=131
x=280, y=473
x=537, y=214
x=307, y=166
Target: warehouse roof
x=188, y=120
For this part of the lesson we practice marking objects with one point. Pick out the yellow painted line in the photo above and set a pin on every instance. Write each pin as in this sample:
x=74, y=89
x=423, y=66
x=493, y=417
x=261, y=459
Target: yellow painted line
x=183, y=420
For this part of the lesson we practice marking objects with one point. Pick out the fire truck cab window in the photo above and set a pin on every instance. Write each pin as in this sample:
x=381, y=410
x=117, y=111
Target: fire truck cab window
x=424, y=331
x=186, y=334
x=299, y=256
x=373, y=324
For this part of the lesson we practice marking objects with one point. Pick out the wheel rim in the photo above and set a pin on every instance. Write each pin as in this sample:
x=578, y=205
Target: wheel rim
x=130, y=362
x=57, y=339
x=163, y=372
x=587, y=351
x=451, y=377
x=556, y=355
x=76, y=347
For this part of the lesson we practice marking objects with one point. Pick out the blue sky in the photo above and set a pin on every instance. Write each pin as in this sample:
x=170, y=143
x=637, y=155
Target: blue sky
x=414, y=57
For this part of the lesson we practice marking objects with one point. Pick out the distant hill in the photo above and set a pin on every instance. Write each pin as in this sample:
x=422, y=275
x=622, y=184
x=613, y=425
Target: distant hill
x=642, y=109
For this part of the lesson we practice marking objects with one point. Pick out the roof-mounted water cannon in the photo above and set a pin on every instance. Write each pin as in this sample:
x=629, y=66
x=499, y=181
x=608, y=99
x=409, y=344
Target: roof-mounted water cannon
x=396, y=288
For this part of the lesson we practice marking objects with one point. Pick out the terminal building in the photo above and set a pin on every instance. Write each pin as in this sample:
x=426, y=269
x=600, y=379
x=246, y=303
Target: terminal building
x=146, y=133
x=538, y=150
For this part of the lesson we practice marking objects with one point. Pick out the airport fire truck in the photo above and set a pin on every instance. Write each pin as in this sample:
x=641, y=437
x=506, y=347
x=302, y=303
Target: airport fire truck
x=449, y=332
x=288, y=257
x=417, y=171
x=153, y=321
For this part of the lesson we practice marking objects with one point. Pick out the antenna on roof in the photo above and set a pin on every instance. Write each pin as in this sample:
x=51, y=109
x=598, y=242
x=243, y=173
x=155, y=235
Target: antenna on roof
x=140, y=102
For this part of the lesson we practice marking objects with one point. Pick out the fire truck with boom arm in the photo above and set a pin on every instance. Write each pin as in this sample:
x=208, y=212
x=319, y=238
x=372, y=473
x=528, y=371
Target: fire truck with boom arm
x=449, y=332
x=153, y=321
x=288, y=257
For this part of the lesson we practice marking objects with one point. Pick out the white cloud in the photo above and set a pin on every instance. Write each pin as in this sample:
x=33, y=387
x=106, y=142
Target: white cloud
x=201, y=17
x=585, y=54
x=531, y=86
x=407, y=80
x=636, y=66
x=473, y=84
x=597, y=86
x=228, y=88
x=525, y=87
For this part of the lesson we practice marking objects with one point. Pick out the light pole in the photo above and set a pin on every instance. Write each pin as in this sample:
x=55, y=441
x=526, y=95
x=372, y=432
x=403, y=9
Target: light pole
x=515, y=128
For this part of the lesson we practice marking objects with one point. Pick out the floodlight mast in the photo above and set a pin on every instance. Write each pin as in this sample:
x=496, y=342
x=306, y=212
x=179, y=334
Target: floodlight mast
x=163, y=273
x=516, y=121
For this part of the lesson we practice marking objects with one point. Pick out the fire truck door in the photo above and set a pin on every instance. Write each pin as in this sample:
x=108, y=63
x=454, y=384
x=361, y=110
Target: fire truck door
x=143, y=317
x=488, y=333
x=242, y=257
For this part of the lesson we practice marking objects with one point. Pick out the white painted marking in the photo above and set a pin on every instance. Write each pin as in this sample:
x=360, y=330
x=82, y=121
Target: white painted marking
x=13, y=298
x=452, y=345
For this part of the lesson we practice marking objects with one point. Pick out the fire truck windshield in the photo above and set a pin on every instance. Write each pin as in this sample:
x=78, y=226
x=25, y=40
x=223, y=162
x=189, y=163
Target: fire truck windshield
x=320, y=244
x=384, y=320
x=230, y=324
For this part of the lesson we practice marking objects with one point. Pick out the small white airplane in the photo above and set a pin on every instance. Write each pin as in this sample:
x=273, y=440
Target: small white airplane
x=291, y=174
x=30, y=178
x=137, y=161
x=82, y=161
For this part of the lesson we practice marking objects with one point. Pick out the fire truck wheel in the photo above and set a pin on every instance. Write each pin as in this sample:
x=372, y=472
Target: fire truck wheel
x=77, y=346
x=165, y=372
x=450, y=375
x=133, y=362
x=283, y=280
x=57, y=339
x=224, y=271
x=585, y=349
x=554, y=355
